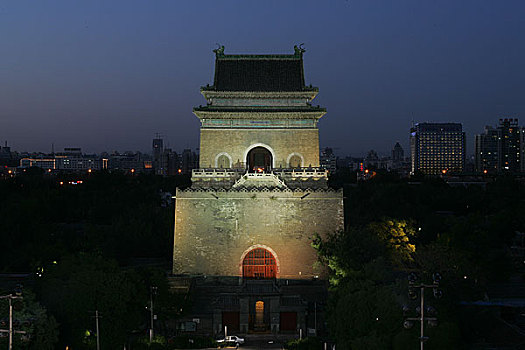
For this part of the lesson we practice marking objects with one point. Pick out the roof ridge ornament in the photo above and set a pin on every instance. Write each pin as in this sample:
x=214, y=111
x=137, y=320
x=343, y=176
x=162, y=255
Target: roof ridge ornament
x=219, y=51
x=299, y=50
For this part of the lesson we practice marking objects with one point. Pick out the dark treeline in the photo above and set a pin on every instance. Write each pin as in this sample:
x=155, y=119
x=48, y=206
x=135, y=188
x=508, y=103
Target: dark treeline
x=80, y=244
x=118, y=215
x=397, y=226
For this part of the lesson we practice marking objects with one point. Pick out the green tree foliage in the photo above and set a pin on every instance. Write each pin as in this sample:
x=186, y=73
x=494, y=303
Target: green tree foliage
x=365, y=315
x=397, y=236
x=78, y=285
x=364, y=312
x=31, y=317
x=310, y=343
x=426, y=226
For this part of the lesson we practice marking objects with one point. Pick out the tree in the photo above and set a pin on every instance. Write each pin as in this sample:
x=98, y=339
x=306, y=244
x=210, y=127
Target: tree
x=397, y=235
x=78, y=285
x=40, y=327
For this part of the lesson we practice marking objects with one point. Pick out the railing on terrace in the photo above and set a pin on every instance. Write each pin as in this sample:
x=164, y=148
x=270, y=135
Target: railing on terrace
x=234, y=172
x=302, y=172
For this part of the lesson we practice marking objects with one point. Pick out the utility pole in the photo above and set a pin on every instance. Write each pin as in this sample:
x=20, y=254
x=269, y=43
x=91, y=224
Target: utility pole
x=412, y=294
x=10, y=331
x=96, y=323
x=152, y=290
x=315, y=317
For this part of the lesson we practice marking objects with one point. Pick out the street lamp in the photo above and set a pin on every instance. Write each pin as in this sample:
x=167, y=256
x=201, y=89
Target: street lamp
x=413, y=286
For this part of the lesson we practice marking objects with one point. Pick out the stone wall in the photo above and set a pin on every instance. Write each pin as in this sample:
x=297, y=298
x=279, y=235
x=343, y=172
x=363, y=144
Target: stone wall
x=236, y=143
x=213, y=229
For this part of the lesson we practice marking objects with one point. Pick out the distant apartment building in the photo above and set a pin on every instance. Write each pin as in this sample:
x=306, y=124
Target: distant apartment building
x=167, y=162
x=437, y=148
x=499, y=150
x=189, y=160
x=160, y=166
x=372, y=160
x=6, y=157
x=486, y=156
x=171, y=159
x=71, y=159
x=46, y=163
x=327, y=160
x=509, y=145
x=130, y=162
x=522, y=150
x=398, y=154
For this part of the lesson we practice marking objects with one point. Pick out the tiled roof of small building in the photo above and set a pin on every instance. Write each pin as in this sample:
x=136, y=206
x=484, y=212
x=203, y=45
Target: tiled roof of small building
x=259, y=72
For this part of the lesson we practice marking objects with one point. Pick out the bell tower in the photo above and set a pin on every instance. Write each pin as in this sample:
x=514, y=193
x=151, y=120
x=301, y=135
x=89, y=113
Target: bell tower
x=259, y=197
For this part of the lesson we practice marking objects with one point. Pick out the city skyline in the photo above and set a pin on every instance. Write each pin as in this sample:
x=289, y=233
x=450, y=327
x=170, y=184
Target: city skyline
x=108, y=76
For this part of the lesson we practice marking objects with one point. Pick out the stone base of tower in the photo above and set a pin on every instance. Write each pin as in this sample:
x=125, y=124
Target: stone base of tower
x=254, y=308
x=215, y=230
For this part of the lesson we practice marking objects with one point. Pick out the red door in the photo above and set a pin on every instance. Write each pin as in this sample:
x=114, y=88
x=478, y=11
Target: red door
x=259, y=263
x=288, y=321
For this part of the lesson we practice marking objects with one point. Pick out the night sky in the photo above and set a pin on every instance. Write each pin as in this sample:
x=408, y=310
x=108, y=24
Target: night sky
x=108, y=75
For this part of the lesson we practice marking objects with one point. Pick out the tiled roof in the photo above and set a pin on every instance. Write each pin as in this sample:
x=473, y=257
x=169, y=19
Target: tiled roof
x=259, y=72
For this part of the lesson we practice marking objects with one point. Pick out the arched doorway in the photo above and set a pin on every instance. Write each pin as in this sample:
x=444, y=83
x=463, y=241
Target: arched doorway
x=259, y=159
x=259, y=314
x=223, y=162
x=295, y=162
x=259, y=263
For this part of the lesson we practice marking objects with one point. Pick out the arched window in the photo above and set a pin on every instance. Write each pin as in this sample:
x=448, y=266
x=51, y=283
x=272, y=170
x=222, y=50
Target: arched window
x=259, y=263
x=223, y=162
x=259, y=159
x=295, y=161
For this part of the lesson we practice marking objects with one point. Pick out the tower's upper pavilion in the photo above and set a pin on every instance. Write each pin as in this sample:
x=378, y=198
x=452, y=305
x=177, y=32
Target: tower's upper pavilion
x=259, y=72
x=259, y=103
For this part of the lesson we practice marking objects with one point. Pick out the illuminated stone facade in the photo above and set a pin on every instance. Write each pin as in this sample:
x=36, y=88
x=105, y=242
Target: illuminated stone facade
x=283, y=143
x=225, y=224
x=259, y=197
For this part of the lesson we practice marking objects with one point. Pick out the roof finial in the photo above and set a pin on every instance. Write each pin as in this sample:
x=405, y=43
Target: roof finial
x=219, y=50
x=299, y=49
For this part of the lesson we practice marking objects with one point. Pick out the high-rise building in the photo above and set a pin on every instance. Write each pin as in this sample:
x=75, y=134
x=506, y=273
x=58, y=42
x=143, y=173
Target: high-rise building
x=499, y=150
x=486, y=156
x=398, y=154
x=522, y=150
x=372, y=159
x=190, y=161
x=328, y=160
x=160, y=164
x=509, y=145
x=437, y=148
x=5, y=155
x=171, y=158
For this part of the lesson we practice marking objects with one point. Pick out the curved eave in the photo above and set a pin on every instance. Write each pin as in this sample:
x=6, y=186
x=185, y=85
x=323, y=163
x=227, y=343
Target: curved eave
x=307, y=94
x=315, y=113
